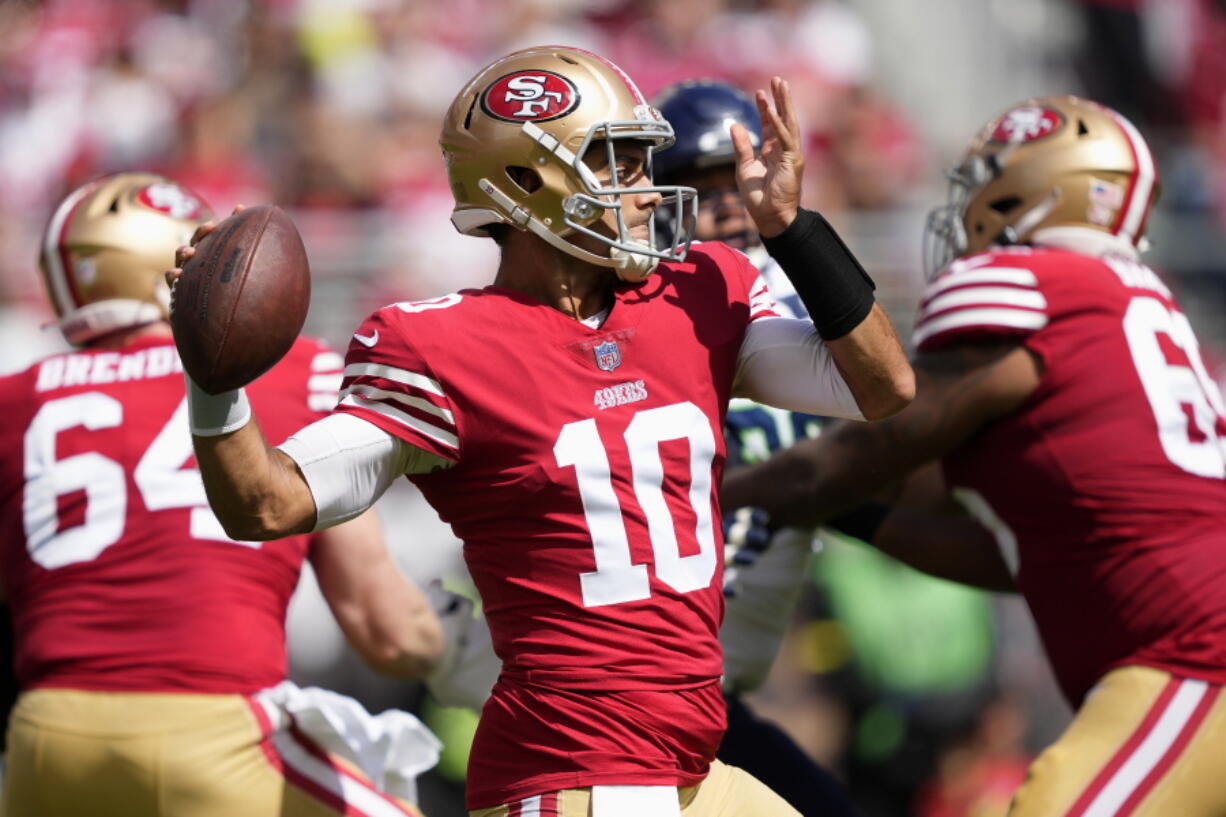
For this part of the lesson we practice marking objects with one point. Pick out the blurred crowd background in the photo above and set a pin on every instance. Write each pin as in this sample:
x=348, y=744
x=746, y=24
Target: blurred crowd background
x=927, y=698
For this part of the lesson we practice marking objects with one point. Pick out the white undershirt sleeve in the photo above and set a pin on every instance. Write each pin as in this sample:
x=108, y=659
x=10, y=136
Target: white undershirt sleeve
x=784, y=363
x=348, y=463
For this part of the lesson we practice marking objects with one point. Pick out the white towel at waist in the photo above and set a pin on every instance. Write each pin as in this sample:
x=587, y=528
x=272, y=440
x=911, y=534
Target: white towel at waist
x=391, y=748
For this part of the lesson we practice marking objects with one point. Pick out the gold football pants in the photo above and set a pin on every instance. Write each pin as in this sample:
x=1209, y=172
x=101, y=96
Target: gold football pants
x=1144, y=744
x=73, y=753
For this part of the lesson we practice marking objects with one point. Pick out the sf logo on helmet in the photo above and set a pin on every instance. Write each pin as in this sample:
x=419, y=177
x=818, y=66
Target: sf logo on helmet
x=170, y=199
x=530, y=96
x=1026, y=125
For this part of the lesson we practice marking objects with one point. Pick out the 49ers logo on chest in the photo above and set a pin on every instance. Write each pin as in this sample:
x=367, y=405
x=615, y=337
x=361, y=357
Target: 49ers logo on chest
x=530, y=96
x=1026, y=124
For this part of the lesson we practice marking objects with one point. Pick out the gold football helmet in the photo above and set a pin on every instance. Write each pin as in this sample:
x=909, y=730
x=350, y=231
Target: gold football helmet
x=1060, y=169
x=514, y=141
x=107, y=248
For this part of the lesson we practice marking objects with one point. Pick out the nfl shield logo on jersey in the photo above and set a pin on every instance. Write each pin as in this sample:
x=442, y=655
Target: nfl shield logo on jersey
x=608, y=356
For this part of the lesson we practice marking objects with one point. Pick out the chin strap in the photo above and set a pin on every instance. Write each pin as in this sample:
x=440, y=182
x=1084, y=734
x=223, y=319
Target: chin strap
x=633, y=266
x=630, y=266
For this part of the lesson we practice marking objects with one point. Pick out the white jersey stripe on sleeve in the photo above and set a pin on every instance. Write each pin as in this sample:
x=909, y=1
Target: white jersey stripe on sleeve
x=372, y=393
x=435, y=433
x=986, y=296
x=325, y=382
x=419, y=381
x=327, y=362
x=322, y=402
x=997, y=316
x=982, y=275
x=761, y=302
x=323, y=387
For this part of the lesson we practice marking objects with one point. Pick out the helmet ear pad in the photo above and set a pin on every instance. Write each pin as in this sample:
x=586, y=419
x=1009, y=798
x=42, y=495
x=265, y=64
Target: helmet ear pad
x=525, y=178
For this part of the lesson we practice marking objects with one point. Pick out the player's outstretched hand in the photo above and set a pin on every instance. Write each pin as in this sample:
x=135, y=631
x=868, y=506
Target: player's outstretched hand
x=770, y=182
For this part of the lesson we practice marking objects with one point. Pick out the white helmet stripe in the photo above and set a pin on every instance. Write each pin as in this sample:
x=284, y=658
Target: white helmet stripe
x=56, y=261
x=1137, y=205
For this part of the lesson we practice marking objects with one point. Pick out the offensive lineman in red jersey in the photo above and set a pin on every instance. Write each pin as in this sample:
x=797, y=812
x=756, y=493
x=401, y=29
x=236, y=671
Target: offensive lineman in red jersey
x=566, y=421
x=1064, y=393
x=147, y=640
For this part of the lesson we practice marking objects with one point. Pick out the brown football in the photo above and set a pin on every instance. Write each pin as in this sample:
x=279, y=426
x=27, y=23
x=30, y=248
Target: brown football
x=242, y=299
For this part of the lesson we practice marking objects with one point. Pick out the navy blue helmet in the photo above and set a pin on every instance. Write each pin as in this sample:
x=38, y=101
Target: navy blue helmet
x=701, y=111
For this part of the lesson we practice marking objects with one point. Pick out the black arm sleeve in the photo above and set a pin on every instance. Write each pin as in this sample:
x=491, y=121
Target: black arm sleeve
x=829, y=280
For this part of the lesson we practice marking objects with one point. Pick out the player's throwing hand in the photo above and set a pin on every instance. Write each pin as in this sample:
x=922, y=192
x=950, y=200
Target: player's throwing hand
x=187, y=251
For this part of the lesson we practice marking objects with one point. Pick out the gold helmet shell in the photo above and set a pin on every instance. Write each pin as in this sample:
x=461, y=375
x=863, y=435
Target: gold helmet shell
x=537, y=111
x=106, y=250
x=1057, y=168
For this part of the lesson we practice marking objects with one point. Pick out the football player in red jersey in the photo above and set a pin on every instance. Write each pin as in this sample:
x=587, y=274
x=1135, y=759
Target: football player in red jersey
x=1064, y=395
x=566, y=421
x=763, y=592
x=150, y=646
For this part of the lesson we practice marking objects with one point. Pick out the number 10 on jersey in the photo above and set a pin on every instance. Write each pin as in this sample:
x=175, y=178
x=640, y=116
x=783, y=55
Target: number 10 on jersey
x=616, y=578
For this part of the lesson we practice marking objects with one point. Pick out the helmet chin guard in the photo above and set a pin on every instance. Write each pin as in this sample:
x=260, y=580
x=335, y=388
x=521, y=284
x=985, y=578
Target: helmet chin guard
x=633, y=266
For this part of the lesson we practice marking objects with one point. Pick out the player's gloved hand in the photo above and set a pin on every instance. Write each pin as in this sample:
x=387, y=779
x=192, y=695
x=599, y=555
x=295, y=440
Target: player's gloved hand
x=468, y=669
x=747, y=533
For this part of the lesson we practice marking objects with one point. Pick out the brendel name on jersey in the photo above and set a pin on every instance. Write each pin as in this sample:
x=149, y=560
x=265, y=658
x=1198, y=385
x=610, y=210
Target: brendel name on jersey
x=621, y=394
x=64, y=371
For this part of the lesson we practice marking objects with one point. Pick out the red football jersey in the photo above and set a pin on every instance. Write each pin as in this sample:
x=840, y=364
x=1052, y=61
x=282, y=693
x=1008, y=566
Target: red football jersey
x=586, y=462
x=118, y=574
x=1108, y=483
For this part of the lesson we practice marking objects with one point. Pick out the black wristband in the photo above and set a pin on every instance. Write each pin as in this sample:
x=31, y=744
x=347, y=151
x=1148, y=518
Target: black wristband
x=862, y=522
x=828, y=279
